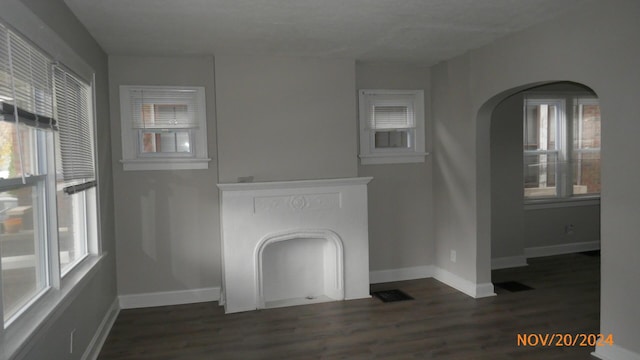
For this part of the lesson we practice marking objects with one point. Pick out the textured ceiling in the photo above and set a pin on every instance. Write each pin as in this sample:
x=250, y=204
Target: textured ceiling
x=416, y=31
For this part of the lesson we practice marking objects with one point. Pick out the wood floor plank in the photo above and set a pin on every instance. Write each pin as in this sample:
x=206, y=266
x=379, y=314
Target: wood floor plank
x=441, y=323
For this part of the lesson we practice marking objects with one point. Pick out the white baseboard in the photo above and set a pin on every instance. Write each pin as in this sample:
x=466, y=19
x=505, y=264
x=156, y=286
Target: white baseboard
x=169, y=298
x=539, y=251
x=94, y=347
x=431, y=271
x=463, y=285
x=508, y=262
x=615, y=352
x=410, y=273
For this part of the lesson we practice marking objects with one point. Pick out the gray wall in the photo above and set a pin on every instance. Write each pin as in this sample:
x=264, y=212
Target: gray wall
x=400, y=195
x=596, y=46
x=92, y=302
x=512, y=227
x=507, y=212
x=167, y=222
x=285, y=118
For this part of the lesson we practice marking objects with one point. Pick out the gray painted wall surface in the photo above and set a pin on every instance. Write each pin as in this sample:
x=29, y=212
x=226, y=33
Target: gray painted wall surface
x=285, y=118
x=595, y=46
x=92, y=302
x=167, y=222
x=507, y=214
x=400, y=195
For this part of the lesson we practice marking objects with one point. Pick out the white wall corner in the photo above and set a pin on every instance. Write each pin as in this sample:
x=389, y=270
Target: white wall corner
x=409, y=273
x=615, y=352
x=508, y=262
x=561, y=249
x=472, y=289
x=169, y=298
x=93, y=349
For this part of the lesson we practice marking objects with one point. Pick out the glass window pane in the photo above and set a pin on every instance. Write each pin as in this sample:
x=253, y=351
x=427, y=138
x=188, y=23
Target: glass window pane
x=21, y=247
x=540, y=175
x=165, y=141
x=11, y=165
x=586, y=127
x=540, y=127
x=72, y=235
x=392, y=139
x=586, y=173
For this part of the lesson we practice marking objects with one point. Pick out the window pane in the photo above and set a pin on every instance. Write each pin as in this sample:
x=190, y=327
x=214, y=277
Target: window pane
x=586, y=172
x=540, y=175
x=166, y=142
x=586, y=127
x=21, y=246
x=72, y=235
x=11, y=165
x=392, y=139
x=540, y=127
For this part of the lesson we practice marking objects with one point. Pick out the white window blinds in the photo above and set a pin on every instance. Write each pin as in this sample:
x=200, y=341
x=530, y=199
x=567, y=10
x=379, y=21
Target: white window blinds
x=390, y=112
x=25, y=90
x=159, y=108
x=73, y=109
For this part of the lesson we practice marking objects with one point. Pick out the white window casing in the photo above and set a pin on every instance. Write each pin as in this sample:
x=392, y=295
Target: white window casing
x=392, y=126
x=163, y=127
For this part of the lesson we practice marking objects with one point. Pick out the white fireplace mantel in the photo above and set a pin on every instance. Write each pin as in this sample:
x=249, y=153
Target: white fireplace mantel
x=321, y=224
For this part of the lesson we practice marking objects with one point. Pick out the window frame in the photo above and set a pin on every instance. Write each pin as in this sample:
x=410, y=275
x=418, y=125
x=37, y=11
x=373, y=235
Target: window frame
x=564, y=197
x=415, y=150
x=133, y=156
x=18, y=335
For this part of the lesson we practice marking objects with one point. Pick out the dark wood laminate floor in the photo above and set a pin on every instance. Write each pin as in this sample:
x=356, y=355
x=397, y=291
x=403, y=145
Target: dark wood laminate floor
x=441, y=323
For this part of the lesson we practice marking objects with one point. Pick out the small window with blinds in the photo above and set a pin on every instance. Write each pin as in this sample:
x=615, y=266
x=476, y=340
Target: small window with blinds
x=391, y=126
x=163, y=128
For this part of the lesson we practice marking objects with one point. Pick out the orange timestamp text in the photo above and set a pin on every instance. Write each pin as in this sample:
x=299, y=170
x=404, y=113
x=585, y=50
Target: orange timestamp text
x=559, y=340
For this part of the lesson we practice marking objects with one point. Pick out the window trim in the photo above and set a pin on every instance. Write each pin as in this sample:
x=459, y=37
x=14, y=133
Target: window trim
x=415, y=152
x=133, y=159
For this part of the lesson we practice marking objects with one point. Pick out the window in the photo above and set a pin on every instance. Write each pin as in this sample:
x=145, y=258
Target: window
x=163, y=128
x=392, y=126
x=561, y=147
x=48, y=220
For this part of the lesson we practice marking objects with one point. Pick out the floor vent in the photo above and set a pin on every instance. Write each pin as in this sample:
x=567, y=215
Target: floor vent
x=513, y=286
x=391, y=295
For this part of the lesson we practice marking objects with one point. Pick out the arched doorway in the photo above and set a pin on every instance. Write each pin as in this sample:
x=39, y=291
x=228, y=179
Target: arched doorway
x=544, y=174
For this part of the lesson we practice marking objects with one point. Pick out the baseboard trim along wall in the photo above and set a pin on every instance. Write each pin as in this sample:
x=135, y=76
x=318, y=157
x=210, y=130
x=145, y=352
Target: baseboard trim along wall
x=430, y=271
x=615, y=352
x=165, y=298
x=561, y=249
x=539, y=251
x=409, y=273
x=472, y=289
x=94, y=347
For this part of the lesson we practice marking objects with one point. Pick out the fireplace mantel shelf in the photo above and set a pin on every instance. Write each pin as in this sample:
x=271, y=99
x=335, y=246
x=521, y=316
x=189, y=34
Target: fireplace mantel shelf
x=273, y=185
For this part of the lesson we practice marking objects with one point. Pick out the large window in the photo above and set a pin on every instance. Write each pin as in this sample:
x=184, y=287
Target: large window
x=47, y=177
x=561, y=147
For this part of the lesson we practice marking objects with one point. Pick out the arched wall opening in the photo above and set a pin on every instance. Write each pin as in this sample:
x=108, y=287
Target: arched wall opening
x=500, y=200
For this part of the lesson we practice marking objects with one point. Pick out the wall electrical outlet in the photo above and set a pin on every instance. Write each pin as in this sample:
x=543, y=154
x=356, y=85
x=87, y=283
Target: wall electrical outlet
x=453, y=256
x=71, y=341
x=569, y=229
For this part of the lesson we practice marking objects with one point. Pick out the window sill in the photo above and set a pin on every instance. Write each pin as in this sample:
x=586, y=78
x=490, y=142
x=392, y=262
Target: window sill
x=165, y=164
x=561, y=203
x=392, y=158
x=22, y=334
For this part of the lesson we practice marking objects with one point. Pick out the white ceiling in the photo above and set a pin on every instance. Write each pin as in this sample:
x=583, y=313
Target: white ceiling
x=416, y=31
